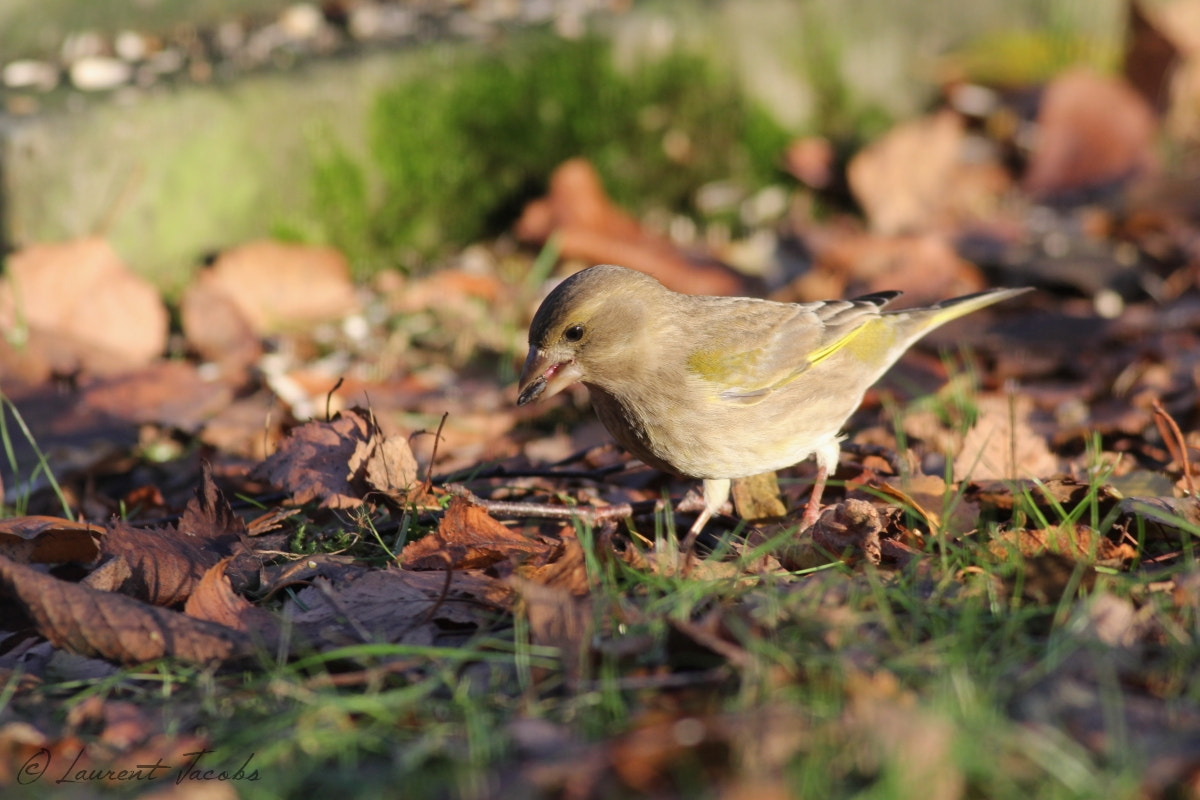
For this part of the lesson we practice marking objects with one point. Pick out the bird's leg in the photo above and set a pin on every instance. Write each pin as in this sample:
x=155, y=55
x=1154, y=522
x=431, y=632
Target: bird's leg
x=813, y=509
x=716, y=492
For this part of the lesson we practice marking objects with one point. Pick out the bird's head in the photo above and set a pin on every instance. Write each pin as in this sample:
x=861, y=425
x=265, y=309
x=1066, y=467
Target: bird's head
x=583, y=330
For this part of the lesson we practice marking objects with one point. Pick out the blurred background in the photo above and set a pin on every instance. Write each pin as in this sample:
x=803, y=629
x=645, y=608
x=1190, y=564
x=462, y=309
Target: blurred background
x=402, y=131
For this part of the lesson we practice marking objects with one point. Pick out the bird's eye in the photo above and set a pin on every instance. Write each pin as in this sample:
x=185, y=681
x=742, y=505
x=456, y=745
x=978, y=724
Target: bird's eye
x=573, y=333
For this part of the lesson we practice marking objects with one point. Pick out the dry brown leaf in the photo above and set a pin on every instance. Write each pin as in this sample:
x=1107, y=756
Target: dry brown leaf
x=248, y=426
x=166, y=564
x=49, y=540
x=848, y=530
x=103, y=317
x=925, y=267
x=169, y=393
x=915, y=748
x=1092, y=131
x=470, y=538
x=1003, y=430
x=339, y=462
x=757, y=499
x=313, y=461
x=1079, y=542
x=811, y=161
x=594, y=230
x=556, y=599
x=1150, y=53
x=901, y=179
x=391, y=467
x=279, y=287
x=215, y=327
x=214, y=600
x=927, y=495
x=398, y=606
x=115, y=627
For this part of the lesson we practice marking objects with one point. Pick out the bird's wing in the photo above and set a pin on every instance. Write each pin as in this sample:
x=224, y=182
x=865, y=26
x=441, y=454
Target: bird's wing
x=767, y=345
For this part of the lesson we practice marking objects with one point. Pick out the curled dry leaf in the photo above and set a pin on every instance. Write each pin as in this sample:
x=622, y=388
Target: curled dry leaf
x=215, y=601
x=49, y=540
x=115, y=627
x=848, y=530
x=1003, y=432
x=593, y=229
x=915, y=176
x=470, y=538
x=338, y=462
x=556, y=600
x=1092, y=131
x=278, y=286
x=101, y=317
x=173, y=394
x=398, y=606
x=166, y=564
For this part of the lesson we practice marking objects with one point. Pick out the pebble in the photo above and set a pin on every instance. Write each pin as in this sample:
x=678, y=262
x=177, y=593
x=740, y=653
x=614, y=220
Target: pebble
x=100, y=73
x=80, y=45
x=374, y=21
x=30, y=74
x=301, y=22
x=93, y=61
x=131, y=46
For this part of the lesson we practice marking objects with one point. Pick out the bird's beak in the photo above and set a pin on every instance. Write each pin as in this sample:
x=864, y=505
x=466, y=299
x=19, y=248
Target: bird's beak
x=545, y=376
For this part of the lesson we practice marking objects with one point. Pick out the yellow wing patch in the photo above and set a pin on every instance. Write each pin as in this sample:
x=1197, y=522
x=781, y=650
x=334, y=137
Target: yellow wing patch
x=721, y=367
x=868, y=343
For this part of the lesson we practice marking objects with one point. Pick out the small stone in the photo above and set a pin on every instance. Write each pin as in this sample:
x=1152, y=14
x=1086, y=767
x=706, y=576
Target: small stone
x=374, y=21
x=301, y=22
x=80, y=45
x=100, y=73
x=165, y=62
x=131, y=46
x=30, y=74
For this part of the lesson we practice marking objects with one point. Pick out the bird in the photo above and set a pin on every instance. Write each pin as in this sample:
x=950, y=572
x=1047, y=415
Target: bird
x=717, y=388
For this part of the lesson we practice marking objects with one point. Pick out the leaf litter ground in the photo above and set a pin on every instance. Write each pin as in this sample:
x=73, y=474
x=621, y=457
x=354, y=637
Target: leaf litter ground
x=354, y=564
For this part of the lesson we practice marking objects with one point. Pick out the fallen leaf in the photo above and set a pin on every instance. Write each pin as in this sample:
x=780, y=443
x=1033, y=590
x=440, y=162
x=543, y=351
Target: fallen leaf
x=341, y=461
x=926, y=267
x=104, y=318
x=757, y=499
x=215, y=601
x=592, y=229
x=279, y=287
x=1003, y=443
x=49, y=540
x=556, y=599
x=166, y=564
x=173, y=394
x=391, y=467
x=470, y=538
x=1092, y=131
x=811, y=161
x=115, y=627
x=909, y=179
x=216, y=328
x=398, y=606
x=313, y=461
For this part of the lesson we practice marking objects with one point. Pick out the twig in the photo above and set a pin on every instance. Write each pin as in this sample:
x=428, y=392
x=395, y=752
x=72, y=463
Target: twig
x=1174, y=441
x=437, y=437
x=428, y=615
x=329, y=396
x=508, y=508
x=501, y=471
x=327, y=592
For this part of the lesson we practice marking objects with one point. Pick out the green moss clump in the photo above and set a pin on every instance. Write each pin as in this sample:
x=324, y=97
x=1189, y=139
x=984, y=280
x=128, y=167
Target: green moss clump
x=456, y=152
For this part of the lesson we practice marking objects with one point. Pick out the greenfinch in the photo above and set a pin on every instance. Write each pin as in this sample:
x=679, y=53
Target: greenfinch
x=717, y=388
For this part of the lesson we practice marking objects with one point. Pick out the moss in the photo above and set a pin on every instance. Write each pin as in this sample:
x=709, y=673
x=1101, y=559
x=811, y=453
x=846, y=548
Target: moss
x=457, y=151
